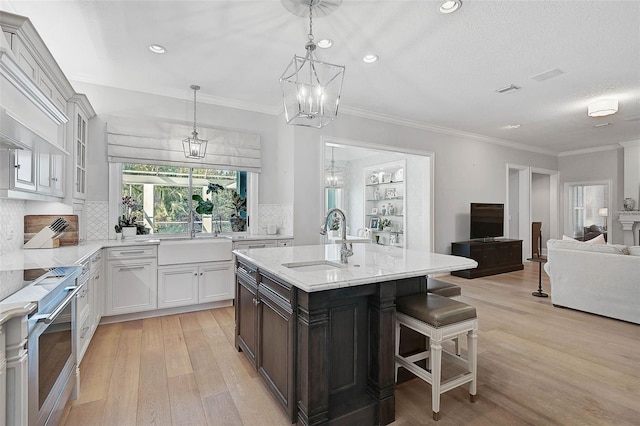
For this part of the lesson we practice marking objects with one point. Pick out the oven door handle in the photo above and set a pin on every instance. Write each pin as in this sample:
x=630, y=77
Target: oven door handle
x=48, y=319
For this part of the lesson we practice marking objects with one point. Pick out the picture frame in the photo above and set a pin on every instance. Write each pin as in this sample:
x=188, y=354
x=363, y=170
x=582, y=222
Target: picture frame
x=374, y=222
x=386, y=178
x=390, y=193
x=374, y=210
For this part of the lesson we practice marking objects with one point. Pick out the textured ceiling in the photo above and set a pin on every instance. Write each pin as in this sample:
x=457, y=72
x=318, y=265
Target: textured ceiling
x=435, y=71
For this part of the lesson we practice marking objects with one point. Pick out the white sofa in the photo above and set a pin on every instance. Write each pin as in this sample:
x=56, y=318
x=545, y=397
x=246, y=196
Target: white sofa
x=603, y=279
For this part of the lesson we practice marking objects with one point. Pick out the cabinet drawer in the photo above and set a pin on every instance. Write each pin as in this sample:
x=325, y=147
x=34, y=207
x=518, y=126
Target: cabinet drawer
x=246, y=271
x=285, y=243
x=276, y=287
x=255, y=244
x=84, y=337
x=137, y=252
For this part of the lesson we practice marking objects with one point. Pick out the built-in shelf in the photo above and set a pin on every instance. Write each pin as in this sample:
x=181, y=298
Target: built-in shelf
x=385, y=186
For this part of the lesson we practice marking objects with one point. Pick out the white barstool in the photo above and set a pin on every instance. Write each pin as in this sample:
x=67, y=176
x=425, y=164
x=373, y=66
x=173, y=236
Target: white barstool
x=439, y=319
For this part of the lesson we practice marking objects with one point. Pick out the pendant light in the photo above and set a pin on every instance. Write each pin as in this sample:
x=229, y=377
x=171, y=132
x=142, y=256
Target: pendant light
x=334, y=176
x=193, y=146
x=311, y=88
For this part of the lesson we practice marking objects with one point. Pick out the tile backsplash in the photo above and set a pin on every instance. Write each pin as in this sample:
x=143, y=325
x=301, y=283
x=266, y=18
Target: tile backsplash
x=280, y=215
x=97, y=220
x=11, y=225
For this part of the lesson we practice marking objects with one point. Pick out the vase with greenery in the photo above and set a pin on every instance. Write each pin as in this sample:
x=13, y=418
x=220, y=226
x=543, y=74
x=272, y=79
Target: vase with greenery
x=224, y=202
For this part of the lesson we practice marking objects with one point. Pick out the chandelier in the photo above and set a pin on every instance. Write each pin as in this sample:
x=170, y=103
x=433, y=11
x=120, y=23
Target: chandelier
x=334, y=176
x=193, y=146
x=311, y=88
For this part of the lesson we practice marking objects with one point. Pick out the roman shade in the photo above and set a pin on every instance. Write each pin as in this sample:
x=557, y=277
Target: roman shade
x=160, y=142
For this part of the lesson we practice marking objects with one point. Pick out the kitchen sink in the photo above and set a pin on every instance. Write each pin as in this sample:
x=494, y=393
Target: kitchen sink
x=172, y=252
x=314, y=266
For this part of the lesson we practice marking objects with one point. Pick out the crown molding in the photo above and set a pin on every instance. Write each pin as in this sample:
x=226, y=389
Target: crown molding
x=442, y=130
x=180, y=94
x=630, y=144
x=589, y=150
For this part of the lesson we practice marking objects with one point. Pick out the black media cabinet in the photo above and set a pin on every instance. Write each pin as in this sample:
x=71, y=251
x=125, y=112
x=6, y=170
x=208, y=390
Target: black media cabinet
x=493, y=257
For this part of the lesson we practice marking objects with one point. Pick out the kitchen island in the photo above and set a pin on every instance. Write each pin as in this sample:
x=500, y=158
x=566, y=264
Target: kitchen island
x=321, y=333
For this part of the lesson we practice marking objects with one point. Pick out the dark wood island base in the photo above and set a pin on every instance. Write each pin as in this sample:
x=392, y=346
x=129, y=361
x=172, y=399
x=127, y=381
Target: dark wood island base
x=327, y=356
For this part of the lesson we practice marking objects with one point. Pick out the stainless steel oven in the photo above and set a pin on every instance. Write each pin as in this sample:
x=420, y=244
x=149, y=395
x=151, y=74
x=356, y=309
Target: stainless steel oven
x=51, y=345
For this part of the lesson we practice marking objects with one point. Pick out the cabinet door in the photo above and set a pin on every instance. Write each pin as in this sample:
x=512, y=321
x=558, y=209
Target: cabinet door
x=246, y=317
x=131, y=286
x=44, y=173
x=98, y=295
x=275, y=340
x=57, y=175
x=177, y=286
x=80, y=156
x=285, y=243
x=25, y=170
x=215, y=283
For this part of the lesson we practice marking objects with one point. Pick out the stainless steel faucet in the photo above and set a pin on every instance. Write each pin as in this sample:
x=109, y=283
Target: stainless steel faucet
x=346, y=250
x=217, y=226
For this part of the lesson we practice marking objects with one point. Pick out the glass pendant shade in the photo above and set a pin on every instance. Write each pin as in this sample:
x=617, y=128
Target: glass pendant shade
x=311, y=88
x=193, y=146
x=333, y=176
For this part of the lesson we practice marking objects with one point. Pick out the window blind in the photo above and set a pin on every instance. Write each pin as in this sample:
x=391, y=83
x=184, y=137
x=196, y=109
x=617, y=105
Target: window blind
x=160, y=142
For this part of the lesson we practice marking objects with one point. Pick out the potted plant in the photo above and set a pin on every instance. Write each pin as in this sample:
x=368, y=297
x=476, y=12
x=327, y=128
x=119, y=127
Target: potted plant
x=224, y=201
x=335, y=226
x=118, y=230
x=384, y=223
x=127, y=221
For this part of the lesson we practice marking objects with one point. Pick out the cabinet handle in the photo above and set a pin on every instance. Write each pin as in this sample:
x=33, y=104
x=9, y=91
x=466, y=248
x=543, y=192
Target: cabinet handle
x=201, y=273
x=131, y=268
x=84, y=332
x=258, y=246
x=256, y=301
x=132, y=252
x=55, y=179
x=195, y=274
x=17, y=166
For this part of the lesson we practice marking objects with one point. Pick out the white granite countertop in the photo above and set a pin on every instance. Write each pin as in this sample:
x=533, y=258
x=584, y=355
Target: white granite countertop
x=370, y=263
x=12, y=310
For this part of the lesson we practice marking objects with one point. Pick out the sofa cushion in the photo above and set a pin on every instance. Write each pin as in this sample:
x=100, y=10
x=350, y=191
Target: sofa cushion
x=580, y=246
x=596, y=240
x=634, y=251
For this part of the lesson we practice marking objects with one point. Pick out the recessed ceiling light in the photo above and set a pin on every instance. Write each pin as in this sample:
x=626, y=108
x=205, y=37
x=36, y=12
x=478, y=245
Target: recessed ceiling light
x=450, y=6
x=602, y=107
x=370, y=58
x=508, y=89
x=325, y=43
x=156, y=48
x=513, y=126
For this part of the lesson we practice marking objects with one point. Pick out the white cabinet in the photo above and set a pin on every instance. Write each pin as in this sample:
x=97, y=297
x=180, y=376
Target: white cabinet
x=132, y=280
x=385, y=203
x=3, y=378
x=25, y=170
x=51, y=174
x=190, y=284
x=97, y=279
x=215, y=282
x=285, y=243
x=80, y=111
x=240, y=245
x=177, y=286
x=89, y=305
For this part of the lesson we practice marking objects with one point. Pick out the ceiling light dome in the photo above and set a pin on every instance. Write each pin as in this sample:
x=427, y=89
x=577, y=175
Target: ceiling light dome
x=602, y=107
x=450, y=6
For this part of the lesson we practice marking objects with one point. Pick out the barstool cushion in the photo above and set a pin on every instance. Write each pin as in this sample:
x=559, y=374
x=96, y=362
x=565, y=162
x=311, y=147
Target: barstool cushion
x=443, y=288
x=435, y=310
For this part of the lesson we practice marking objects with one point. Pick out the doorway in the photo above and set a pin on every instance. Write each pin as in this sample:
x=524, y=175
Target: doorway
x=345, y=164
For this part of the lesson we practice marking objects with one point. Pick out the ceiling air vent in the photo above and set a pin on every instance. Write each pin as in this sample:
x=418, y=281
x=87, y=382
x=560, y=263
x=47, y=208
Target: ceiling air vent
x=547, y=75
x=508, y=89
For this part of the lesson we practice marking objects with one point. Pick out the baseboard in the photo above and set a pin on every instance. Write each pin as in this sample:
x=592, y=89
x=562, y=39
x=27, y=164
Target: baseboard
x=167, y=311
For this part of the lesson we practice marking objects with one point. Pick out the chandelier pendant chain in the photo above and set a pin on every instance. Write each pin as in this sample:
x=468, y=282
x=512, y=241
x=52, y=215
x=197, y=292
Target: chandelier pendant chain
x=195, y=89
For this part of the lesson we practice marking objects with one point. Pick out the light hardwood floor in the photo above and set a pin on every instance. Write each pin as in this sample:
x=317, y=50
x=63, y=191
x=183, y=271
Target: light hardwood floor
x=537, y=365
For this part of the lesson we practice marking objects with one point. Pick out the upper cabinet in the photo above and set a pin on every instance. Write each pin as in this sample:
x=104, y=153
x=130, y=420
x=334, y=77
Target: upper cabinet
x=43, y=122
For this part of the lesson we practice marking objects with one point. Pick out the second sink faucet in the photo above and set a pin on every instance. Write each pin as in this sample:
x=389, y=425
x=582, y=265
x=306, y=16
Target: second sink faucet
x=346, y=250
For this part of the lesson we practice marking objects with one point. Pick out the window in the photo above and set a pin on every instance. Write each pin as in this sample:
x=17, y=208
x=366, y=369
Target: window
x=164, y=197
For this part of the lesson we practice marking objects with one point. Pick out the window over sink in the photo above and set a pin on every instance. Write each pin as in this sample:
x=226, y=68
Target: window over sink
x=172, y=199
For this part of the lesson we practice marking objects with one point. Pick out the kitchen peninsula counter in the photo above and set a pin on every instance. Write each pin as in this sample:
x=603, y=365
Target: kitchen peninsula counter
x=321, y=334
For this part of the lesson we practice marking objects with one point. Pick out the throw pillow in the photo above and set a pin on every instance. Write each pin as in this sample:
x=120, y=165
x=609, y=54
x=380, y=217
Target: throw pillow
x=565, y=238
x=597, y=240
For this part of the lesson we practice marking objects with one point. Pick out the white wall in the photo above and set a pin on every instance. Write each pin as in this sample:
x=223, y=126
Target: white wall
x=540, y=206
x=596, y=166
x=466, y=170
